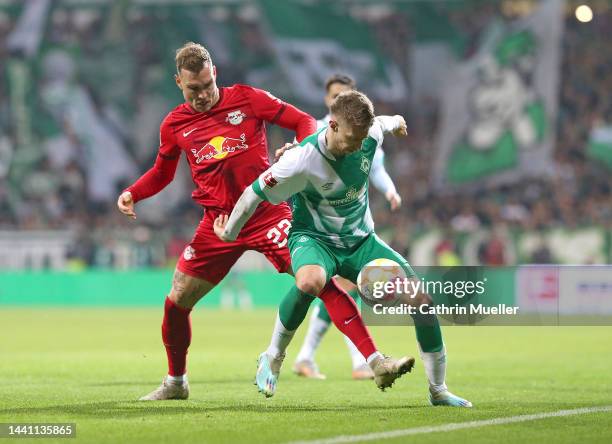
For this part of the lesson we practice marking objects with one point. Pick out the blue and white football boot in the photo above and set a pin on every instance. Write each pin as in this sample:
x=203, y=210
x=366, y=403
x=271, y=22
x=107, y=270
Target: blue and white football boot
x=268, y=370
x=446, y=398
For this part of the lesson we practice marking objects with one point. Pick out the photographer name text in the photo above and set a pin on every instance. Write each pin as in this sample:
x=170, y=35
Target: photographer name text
x=471, y=309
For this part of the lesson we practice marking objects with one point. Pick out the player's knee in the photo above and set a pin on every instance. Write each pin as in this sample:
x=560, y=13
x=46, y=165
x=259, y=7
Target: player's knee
x=187, y=290
x=310, y=279
x=178, y=297
x=310, y=283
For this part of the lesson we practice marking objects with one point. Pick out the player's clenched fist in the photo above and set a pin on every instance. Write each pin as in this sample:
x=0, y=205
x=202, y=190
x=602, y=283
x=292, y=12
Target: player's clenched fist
x=402, y=129
x=125, y=203
x=219, y=226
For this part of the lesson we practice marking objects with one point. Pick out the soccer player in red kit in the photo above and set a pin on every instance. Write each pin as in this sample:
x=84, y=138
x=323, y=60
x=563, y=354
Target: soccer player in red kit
x=222, y=133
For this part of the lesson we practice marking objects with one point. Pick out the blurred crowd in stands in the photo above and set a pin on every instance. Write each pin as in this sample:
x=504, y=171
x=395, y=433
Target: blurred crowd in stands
x=91, y=140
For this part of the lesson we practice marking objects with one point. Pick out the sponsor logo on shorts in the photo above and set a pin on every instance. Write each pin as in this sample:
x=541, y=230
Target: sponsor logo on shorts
x=303, y=239
x=189, y=253
x=269, y=180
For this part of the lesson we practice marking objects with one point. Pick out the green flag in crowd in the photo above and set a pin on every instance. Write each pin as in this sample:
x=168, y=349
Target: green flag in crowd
x=314, y=41
x=500, y=107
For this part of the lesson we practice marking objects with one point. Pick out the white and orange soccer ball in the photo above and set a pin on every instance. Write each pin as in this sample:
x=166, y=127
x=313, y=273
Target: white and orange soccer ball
x=373, y=281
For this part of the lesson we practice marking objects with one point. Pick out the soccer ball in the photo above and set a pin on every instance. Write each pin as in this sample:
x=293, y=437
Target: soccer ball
x=373, y=277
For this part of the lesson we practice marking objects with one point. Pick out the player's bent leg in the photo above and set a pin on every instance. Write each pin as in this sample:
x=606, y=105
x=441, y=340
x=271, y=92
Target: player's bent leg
x=361, y=369
x=310, y=279
x=176, y=334
x=188, y=290
x=292, y=311
x=428, y=332
x=345, y=316
x=433, y=354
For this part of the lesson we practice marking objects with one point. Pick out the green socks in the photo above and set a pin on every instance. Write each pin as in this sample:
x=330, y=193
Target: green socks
x=294, y=307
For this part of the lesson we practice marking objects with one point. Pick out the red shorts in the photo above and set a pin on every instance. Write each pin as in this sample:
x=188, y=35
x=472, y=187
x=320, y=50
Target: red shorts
x=208, y=257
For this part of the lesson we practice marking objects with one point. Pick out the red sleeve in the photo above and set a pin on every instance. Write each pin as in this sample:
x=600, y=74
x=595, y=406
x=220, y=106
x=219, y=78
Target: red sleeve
x=274, y=110
x=162, y=172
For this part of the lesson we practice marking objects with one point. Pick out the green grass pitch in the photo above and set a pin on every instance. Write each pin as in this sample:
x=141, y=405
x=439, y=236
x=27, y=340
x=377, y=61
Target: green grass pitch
x=87, y=366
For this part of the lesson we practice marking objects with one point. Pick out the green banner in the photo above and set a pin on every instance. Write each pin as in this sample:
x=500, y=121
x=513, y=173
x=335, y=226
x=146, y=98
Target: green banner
x=498, y=118
x=135, y=288
x=313, y=41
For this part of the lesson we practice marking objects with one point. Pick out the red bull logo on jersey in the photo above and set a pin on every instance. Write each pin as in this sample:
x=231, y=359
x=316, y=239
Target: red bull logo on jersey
x=219, y=147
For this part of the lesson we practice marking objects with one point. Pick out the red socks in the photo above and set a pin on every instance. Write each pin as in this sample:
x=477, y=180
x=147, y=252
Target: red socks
x=345, y=316
x=176, y=327
x=176, y=334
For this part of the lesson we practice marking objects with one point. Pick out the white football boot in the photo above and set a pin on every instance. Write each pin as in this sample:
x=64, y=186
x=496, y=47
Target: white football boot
x=387, y=369
x=168, y=390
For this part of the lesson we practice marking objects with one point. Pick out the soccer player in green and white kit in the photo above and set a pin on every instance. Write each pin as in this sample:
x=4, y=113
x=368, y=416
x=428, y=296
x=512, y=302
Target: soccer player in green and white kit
x=333, y=231
x=320, y=321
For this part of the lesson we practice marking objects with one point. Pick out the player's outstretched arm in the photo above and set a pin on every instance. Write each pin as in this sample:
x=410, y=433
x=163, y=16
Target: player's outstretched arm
x=275, y=185
x=227, y=227
x=158, y=177
x=149, y=184
x=395, y=125
x=382, y=181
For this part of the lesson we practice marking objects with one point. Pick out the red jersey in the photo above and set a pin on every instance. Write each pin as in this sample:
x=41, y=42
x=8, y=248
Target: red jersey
x=226, y=147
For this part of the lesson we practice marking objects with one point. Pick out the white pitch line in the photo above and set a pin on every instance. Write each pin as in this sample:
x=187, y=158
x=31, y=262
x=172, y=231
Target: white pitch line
x=454, y=426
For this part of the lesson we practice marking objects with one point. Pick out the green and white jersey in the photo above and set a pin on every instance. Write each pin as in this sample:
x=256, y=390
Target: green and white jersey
x=330, y=195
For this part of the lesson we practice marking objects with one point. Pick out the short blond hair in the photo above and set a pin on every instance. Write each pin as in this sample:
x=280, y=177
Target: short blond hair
x=192, y=57
x=354, y=107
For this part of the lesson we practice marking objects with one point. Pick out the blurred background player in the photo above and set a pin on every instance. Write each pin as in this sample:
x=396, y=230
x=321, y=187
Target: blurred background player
x=332, y=226
x=319, y=323
x=222, y=132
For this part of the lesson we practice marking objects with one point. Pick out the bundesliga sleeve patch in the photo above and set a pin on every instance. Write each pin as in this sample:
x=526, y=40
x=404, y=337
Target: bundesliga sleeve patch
x=269, y=180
